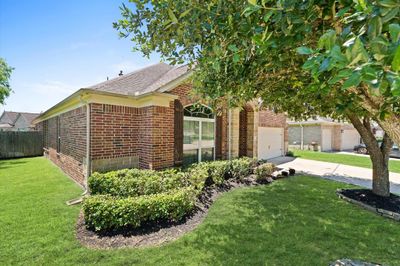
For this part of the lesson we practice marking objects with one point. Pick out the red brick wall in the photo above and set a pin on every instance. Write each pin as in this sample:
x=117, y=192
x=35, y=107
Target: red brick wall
x=113, y=131
x=118, y=131
x=72, y=133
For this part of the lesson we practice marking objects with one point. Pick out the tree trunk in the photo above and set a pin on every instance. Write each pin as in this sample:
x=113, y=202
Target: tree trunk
x=379, y=155
x=391, y=126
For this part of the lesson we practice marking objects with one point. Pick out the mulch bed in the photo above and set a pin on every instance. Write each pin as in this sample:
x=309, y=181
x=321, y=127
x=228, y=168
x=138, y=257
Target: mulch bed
x=157, y=234
x=385, y=206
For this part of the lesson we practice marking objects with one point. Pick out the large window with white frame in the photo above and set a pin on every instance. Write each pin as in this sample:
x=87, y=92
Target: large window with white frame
x=198, y=134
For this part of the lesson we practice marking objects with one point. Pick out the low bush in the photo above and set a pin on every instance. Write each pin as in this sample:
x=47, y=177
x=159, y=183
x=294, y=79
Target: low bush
x=105, y=212
x=242, y=167
x=135, y=182
x=264, y=170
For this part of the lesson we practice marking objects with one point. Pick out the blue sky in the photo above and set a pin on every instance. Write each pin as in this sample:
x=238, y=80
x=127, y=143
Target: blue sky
x=57, y=47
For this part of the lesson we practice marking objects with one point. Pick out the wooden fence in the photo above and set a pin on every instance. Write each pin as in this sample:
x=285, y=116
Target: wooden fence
x=14, y=144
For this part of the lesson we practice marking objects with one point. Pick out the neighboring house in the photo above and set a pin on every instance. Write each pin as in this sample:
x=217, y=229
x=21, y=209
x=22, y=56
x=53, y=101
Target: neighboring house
x=148, y=119
x=17, y=121
x=323, y=134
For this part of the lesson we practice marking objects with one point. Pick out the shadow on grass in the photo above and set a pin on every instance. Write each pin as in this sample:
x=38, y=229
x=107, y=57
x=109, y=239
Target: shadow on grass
x=285, y=223
x=12, y=163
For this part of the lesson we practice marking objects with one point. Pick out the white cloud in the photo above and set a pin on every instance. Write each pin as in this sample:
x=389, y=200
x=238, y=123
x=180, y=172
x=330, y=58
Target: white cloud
x=51, y=87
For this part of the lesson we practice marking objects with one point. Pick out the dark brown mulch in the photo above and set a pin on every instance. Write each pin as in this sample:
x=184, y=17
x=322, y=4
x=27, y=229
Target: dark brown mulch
x=156, y=234
x=391, y=203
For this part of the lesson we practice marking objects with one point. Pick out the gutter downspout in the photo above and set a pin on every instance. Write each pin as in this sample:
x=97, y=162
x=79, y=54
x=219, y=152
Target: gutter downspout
x=88, y=161
x=230, y=134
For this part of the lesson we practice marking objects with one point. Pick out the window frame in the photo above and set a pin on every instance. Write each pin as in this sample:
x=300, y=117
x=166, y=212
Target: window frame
x=200, y=145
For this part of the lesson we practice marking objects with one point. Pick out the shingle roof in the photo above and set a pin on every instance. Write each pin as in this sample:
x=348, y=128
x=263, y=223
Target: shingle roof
x=9, y=117
x=29, y=117
x=145, y=80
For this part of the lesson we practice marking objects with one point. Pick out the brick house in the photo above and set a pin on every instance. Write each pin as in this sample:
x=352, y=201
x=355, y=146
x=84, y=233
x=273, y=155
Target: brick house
x=148, y=119
x=325, y=133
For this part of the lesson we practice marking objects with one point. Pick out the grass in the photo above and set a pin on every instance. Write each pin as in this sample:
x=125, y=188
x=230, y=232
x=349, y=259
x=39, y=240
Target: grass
x=347, y=159
x=294, y=221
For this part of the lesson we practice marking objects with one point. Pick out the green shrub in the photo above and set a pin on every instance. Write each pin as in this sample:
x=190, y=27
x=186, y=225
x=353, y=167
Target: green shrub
x=242, y=167
x=290, y=154
x=197, y=175
x=105, y=212
x=208, y=173
x=135, y=182
x=264, y=170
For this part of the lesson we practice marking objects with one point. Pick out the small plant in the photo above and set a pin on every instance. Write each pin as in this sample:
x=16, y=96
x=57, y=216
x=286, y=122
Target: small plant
x=292, y=171
x=242, y=167
x=264, y=170
x=290, y=154
x=284, y=173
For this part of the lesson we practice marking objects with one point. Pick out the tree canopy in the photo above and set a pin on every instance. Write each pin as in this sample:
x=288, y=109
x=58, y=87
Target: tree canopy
x=5, y=74
x=329, y=57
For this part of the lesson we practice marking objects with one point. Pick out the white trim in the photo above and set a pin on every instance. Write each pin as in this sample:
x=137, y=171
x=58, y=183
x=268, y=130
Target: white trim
x=200, y=144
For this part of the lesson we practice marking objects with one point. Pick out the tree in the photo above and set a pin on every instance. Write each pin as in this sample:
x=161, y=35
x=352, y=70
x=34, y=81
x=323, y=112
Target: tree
x=338, y=58
x=5, y=73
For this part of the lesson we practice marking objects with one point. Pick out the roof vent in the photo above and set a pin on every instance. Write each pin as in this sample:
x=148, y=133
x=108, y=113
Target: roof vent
x=120, y=73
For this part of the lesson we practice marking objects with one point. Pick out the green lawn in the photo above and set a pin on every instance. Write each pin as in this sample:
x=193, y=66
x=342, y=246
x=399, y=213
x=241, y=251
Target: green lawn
x=294, y=221
x=354, y=160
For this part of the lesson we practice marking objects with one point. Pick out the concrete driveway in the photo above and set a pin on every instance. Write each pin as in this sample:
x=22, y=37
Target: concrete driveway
x=343, y=173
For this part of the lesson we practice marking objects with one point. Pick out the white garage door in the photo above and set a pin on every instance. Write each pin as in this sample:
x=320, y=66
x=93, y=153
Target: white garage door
x=270, y=142
x=326, y=140
x=350, y=138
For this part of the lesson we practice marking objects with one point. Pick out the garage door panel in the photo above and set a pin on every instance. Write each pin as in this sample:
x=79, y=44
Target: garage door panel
x=270, y=142
x=350, y=138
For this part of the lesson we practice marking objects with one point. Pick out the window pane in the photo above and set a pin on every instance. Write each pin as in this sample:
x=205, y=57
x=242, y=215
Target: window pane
x=190, y=135
x=207, y=134
x=207, y=154
x=190, y=156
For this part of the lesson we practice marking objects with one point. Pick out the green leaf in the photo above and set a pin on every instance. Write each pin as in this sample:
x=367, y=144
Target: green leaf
x=362, y=4
x=396, y=60
x=304, y=50
x=327, y=40
x=172, y=16
x=268, y=16
x=375, y=27
x=390, y=15
x=388, y=3
x=185, y=13
x=352, y=81
x=357, y=52
x=394, y=30
x=236, y=58
x=252, y=2
x=233, y=47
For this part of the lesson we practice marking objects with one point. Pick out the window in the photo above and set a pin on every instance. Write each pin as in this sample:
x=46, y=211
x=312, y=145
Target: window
x=198, y=134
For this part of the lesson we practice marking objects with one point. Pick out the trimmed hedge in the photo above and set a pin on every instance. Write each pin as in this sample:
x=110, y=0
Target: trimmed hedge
x=133, y=197
x=105, y=212
x=135, y=182
x=264, y=170
x=242, y=167
x=208, y=173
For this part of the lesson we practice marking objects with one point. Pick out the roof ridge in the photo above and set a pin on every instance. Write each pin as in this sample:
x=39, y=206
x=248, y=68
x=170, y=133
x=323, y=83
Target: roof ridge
x=129, y=74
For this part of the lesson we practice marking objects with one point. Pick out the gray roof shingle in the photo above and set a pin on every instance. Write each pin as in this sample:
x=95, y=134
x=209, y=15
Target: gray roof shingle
x=145, y=80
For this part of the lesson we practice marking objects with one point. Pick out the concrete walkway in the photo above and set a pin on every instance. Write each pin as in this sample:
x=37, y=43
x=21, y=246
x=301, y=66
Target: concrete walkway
x=343, y=173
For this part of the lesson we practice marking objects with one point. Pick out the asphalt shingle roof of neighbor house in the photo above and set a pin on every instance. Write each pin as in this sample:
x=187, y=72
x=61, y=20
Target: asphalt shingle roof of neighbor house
x=145, y=80
x=9, y=117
